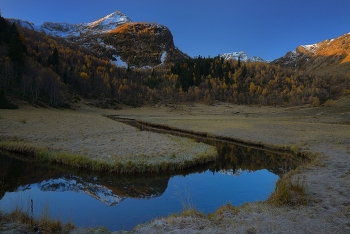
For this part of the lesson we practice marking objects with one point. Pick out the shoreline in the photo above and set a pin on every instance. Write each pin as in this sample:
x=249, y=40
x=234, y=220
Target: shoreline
x=320, y=132
x=188, y=133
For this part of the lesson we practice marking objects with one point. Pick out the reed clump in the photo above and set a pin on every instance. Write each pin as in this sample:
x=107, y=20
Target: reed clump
x=289, y=192
x=44, y=224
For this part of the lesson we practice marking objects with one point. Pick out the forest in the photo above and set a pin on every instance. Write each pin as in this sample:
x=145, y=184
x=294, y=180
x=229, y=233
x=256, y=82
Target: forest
x=44, y=70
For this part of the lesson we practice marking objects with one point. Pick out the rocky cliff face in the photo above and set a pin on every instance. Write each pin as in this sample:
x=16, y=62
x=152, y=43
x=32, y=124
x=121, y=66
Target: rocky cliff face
x=141, y=44
x=331, y=56
x=117, y=38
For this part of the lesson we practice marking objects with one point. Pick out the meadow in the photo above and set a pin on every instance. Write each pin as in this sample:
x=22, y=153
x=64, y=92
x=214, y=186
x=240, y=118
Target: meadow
x=312, y=198
x=84, y=138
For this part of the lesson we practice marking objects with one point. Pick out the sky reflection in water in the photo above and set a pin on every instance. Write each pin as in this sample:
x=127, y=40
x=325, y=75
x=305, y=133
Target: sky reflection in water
x=90, y=199
x=89, y=205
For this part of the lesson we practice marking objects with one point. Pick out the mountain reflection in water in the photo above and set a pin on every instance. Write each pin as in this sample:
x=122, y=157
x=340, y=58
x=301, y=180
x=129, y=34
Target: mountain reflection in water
x=19, y=175
x=240, y=174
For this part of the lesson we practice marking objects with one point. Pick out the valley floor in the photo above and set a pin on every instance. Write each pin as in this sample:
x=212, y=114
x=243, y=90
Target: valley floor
x=86, y=133
x=321, y=131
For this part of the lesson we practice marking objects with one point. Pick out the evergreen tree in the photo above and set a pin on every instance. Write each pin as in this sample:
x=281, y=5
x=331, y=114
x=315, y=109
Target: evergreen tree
x=16, y=46
x=15, y=51
x=55, y=58
x=3, y=27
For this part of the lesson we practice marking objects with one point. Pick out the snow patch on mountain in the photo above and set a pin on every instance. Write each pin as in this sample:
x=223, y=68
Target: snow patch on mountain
x=242, y=56
x=99, y=37
x=162, y=58
x=235, y=55
x=257, y=59
x=108, y=22
x=311, y=48
x=100, y=26
x=119, y=62
x=61, y=29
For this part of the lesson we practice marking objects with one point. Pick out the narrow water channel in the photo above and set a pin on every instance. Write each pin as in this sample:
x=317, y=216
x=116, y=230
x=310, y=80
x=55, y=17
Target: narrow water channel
x=90, y=199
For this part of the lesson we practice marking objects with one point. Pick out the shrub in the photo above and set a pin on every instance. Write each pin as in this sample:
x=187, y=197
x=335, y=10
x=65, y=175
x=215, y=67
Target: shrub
x=6, y=104
x=288, y=192
x=330, y=102
x=316, y=101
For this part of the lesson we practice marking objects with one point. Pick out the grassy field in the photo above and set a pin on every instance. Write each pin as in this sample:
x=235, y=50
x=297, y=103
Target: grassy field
x=86, y=139
x=314, y=198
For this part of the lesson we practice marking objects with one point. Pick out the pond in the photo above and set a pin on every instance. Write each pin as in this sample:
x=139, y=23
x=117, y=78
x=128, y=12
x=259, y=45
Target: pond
x=90, y=199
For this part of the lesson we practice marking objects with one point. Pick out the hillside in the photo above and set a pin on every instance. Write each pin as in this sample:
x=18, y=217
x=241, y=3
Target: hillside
x=143, y=44
x=115, y=37
x=45, y=69
x=329, y=57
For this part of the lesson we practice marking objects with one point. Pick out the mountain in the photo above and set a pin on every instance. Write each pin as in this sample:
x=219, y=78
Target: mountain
x=100, y=26
x=71, y=183
x=117, y=38
x=51, y=70
x=242, y=56
x=331, y=56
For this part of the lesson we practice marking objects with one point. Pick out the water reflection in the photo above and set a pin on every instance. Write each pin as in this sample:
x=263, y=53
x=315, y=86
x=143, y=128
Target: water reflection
x=19, y=175
x=240, y=174
x=232, y=156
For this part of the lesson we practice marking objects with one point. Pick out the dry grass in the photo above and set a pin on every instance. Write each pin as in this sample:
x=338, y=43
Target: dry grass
x=289, y=192
x=86, y=139
x=311, y=195
x=296, y=127
x=23, y=220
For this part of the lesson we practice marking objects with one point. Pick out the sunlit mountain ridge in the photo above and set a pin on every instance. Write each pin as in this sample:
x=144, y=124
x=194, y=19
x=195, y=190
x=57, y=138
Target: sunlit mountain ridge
x=328, y=57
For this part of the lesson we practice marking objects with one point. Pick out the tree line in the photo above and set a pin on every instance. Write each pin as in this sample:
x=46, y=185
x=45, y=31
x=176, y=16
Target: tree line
x=41, y=68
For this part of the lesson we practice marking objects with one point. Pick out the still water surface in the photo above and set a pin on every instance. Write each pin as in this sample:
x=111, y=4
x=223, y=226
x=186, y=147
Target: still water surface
x=90, y=199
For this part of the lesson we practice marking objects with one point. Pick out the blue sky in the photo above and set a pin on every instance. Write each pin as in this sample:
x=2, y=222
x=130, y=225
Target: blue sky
x=265, y=28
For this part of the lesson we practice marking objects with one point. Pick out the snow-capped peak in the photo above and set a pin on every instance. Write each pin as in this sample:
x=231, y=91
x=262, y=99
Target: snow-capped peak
x=235, y=55
x=110, y=21
x=241, y=56
x=103, y=25
x=311, y=48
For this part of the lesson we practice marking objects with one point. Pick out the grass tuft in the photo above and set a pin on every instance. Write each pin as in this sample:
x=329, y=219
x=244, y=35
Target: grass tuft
x=289, y=192
x=173, y=156
x=227, y=208
x=192, y=213
x=43, y=225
